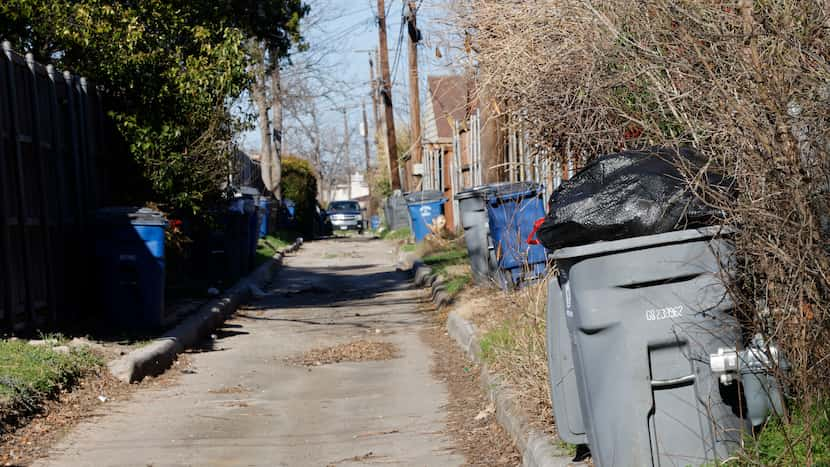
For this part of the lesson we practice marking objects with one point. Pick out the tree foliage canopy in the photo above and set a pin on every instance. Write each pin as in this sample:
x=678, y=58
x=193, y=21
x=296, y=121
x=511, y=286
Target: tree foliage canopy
x=168, y=70
x=299, y=184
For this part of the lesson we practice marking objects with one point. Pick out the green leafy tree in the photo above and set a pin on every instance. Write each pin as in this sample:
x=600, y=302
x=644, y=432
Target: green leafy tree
x=168, y=70
x=299, y=184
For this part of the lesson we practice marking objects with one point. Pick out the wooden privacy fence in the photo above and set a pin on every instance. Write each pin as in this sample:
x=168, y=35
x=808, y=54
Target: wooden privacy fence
x=52, y=130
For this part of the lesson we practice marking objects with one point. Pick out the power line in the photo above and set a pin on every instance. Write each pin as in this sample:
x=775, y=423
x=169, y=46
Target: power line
x=398, y=46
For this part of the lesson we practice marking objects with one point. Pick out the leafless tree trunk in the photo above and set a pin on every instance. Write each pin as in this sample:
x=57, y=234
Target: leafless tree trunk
x=276, y=113
x=318, y=154
x=261, y=102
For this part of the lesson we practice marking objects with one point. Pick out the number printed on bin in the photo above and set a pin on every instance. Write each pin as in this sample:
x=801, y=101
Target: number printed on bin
x=664, y=313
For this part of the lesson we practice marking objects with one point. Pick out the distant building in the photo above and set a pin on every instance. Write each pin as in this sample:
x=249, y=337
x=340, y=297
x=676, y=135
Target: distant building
x=462, y=143
x=470, y=140
x=355, y=187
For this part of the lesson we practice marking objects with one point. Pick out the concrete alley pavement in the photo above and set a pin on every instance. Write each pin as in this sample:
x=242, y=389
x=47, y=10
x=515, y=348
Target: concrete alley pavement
x=246, y=406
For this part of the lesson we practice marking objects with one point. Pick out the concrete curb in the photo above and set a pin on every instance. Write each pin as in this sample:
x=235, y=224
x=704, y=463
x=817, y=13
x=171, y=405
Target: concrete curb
x=536, y=448
x=154, y=358
x=424, y=277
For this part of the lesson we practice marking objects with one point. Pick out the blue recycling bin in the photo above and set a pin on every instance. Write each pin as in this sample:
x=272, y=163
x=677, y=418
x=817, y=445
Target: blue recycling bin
x=130, y=267
x=375, y=222
x=265, y=214
x=512, y=211
x=424, y=207
x=292, y=209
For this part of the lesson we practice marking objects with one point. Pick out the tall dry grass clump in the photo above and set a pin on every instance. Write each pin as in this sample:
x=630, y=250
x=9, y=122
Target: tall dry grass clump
x=746, y=82
x=514, y=344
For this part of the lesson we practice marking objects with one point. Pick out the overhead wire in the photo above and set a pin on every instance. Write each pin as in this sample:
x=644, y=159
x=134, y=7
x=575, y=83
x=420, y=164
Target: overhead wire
x=399, y=45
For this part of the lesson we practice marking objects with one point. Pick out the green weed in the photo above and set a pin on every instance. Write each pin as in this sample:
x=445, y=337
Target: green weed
x=440, y=260
x=400, y=234
x=53, y=338
x=457, y=283
x=566, y=448
x=409, y=247
x=29, y=373
x=271, y=244
x=493, y=341
x=804, y=441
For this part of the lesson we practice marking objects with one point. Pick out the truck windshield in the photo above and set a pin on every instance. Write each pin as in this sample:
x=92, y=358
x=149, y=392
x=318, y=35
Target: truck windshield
x=344, y=206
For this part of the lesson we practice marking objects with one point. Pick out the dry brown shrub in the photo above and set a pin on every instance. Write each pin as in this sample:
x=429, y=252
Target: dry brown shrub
x=433, y=244
x=747, y=83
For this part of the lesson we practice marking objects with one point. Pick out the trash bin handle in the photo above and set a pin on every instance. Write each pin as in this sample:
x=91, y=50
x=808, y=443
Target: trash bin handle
x=683, y=380
x=531, y=239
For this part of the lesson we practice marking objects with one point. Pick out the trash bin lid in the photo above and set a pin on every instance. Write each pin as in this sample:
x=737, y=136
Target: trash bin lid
x=427, y=196
x=131, y=215
x=480, y=191
x=633, y=243
x=507, y=190
x=249, y=191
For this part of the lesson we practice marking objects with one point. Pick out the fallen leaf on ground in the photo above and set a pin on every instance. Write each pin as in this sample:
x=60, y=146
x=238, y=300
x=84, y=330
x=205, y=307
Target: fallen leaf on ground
x=489, y=410
x=357, y=351
x=229, y=390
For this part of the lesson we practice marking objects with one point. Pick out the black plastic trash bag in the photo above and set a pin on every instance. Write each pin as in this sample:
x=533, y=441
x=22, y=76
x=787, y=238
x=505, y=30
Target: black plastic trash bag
x=628, y=194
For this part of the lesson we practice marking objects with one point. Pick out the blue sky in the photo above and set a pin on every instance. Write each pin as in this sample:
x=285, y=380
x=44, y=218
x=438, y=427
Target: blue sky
x=340, y=27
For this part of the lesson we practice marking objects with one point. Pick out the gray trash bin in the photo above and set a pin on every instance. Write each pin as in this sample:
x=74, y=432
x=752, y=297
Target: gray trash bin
x=564, y=391
x=472, y=204
x=643, y=315
x=396, y=212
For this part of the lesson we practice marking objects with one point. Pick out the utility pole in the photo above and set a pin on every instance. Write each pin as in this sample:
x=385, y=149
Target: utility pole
x=373, y=83
x=368, y=178
x=375, y=108
x=414, y=94
x=346, y=150
x=366, y=139
x=391, y=141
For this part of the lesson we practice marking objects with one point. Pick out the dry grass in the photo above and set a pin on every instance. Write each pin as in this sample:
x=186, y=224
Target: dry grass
x=433, y=244
x=513, y=342
x=356, y=351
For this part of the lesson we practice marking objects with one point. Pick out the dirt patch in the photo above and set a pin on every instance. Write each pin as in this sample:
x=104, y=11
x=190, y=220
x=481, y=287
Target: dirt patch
x=356, y=351
x=93, y=396
x=485, y=307
x=236, y=404
x=238, y=389
x=89, y=398
x=471, y=419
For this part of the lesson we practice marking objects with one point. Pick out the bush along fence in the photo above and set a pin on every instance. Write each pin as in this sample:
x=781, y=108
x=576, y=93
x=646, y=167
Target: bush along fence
x=65, y=259
x=53, y=133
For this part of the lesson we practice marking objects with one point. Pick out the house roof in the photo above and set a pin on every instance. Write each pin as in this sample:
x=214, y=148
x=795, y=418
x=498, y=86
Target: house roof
x=447, y=102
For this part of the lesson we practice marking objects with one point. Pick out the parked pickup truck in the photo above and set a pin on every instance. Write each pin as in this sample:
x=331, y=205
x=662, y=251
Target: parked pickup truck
x=346, y=215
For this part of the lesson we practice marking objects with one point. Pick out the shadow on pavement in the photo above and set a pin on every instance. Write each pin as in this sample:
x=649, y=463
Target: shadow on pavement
x=358, y=296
